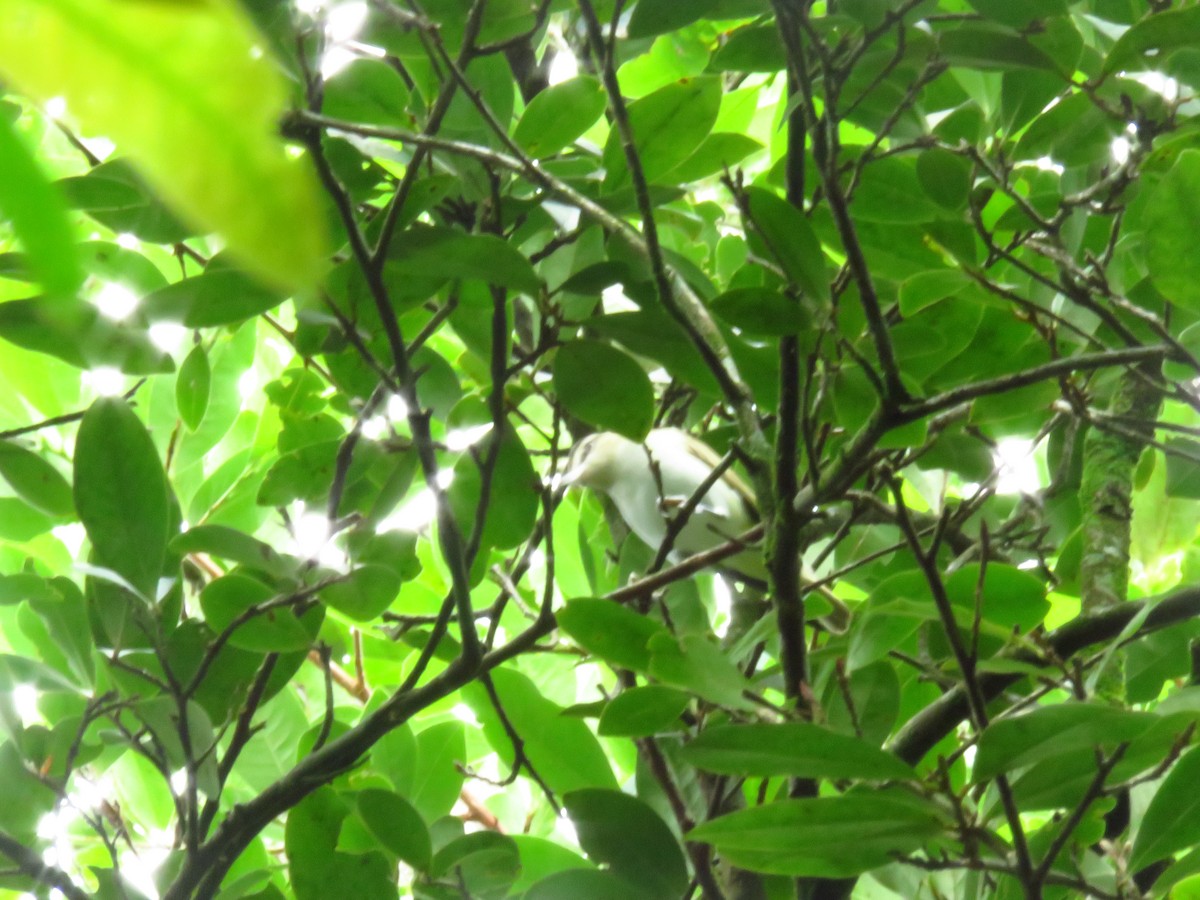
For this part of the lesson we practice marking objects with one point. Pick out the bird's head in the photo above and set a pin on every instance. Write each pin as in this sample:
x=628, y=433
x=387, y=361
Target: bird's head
x=598, y=461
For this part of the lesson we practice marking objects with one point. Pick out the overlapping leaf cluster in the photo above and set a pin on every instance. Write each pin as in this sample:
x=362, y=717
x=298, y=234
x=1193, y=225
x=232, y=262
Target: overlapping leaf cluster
x=292, y=603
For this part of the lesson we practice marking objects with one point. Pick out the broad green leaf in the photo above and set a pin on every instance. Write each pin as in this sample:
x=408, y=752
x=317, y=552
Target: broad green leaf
x=1010, y=597
x=828, y=837
x=541, y=857
x=559, y=115
x=890, y=191
x=208, y=105
x=121, y=493
x=76, y=333
x=192, y=384
x=37, y=214
x=1073, y=132
x=798, y=749
x=562, y=749
x=316, y=868
x=368, y=91
x=231, y=598
x=365, y=593
x=397, y=826
x=422, y=766
x=604, y=387
x=695, y=663
x=583, y=884
x=719, y=151
x=1150, y=39
x=667, y=125
x=218, y=296
x=627, y=835
x=610, y=631
x=513, y=498
x=754, y=48
x=1172, y=821
x=652, y=17
x=990, y=48
x=1173, y=266
x=1019, y=13
x=35, y=480
x=435, y=255
x=229, y=543
x=790, y=241
x=642, y=711
x=117, y=197
x=762, y=311
x=484, y=863
x=1051, y=730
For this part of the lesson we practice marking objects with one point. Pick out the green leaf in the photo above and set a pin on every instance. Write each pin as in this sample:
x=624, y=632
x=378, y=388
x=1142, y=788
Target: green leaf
x=582, y=884
x=798, y=749
x=76, y=333
x=1019, y=13
x=627, y=835
x=317, y=869
x=36, y=211
x=437, y=255
x=828, y=837
x=667, y=125
x=1151, y=38
x=790, y=241
x=762, y=311
x=218, y=296
x=192, y=385
x=890, y=191
x=754, y=48
x=396, y=825
x=610, y=631
x=484, y=863
x=642, y=711
x=695, y=663
x=990, y=48
x=562, y=749
x=368, y=91
x=1075, y=132
x=35, y=480
x=559, y=115
x=654, y=17
x=1172, y=821
x=207, y=103
x=229, y=543
x=1010, y=597
x=513, y=500
x=1173, y=266
x=719, y=151
x=229, y=598
x=117, y=197
x=121, y=493
x=365, y=594
x=604, y=387
x=1052, y=730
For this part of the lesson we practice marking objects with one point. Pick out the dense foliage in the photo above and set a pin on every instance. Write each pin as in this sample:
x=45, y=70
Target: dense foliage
x=304, y=307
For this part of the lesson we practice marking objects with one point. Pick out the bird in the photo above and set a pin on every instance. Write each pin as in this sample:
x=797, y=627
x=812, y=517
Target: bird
x=652, y=481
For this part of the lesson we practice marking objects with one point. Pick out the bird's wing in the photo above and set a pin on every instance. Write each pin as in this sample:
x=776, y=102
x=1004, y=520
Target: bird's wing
x=712, y=459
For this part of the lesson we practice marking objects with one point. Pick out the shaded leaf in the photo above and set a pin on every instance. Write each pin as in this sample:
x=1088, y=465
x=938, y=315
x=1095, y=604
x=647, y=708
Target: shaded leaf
x=604, y=387
x=793, y=748
x=121, y=493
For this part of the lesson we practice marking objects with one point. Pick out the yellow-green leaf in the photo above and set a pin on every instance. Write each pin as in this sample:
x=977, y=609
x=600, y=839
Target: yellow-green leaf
x=185, y=91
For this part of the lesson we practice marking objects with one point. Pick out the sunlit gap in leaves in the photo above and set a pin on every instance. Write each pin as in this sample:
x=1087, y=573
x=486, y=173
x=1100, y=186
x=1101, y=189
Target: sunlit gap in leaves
x=1016, y=466
x=168, y=337
x=419, y=511
x=564, y=66
x=25, y=704
x=115, y=301
x=312, y=540
x=104, y=381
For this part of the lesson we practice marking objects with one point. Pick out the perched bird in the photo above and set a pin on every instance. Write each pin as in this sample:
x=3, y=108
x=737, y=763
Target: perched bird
x=651, y=482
